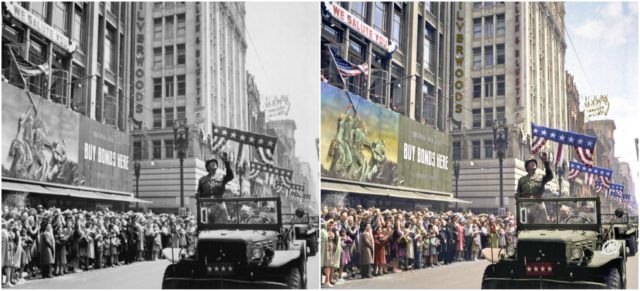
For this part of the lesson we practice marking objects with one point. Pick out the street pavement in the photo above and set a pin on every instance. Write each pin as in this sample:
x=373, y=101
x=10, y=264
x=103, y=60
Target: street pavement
x=462, y=275
x=142, y=275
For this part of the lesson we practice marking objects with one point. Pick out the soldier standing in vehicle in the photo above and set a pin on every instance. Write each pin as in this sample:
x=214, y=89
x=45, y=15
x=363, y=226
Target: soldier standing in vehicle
x=532, y=186
x=213, y=186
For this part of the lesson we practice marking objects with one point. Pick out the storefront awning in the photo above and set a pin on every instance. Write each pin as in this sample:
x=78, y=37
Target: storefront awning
x=77, y=192
x=370, y=189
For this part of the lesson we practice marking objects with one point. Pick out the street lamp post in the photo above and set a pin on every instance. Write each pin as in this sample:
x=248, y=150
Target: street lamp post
x=181, y=139
x=500, y=142
x=136, y=172
x=560, y=173
x=456, y=174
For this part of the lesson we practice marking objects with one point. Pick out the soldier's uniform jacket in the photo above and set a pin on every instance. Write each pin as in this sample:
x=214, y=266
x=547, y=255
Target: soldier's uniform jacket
x=532, y=186
x=209, y=187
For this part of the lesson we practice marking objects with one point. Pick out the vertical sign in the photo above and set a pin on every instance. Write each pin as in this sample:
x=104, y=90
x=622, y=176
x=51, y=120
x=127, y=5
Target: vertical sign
x=139, y=67
x=458, y=80
x=516, y=45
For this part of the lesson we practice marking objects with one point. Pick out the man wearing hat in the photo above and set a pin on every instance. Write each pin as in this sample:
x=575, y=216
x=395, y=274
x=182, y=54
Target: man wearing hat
x=532, y=184
x=213, y=186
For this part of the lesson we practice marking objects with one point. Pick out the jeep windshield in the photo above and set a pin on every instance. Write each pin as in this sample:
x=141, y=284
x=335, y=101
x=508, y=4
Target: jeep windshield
x=240, y=213
x=560, y=213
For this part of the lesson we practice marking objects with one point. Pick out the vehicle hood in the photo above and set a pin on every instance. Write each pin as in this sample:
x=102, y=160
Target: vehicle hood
x=556, y=235
x=237, y=235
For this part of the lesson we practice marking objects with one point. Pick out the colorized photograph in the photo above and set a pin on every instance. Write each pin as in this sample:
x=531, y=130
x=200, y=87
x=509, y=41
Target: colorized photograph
x=160, y=145
x=479, y=145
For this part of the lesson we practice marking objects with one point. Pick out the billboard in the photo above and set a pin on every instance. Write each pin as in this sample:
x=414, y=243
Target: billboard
x=45, y=141
x=362, y=141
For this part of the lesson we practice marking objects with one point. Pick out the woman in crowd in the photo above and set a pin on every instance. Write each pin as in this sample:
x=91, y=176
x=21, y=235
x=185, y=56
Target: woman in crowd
x=366, y=251
x=345, y=258
x=380, y=244
x=47, y=250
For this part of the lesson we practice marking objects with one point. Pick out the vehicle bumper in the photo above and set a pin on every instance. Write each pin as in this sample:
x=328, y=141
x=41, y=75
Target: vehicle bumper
x=539, y=283
x=219, y=283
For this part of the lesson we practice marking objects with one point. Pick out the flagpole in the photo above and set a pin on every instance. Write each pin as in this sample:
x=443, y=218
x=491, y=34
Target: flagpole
x=344, y=83
x=24, y=82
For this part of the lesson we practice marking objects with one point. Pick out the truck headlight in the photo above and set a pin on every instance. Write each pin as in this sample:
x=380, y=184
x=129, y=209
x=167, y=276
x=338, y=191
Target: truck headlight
x=257, y=252
x=511, y=250
x=576, y=253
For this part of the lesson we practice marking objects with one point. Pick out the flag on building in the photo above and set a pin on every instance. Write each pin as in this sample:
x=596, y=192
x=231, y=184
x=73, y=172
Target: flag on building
x=591, y=174
x=346, y=68
x=27, y=69
x=583, y=144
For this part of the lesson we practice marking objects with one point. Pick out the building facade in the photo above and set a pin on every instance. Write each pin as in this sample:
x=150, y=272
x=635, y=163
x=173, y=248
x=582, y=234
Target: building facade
x=78, y=102
x=509, y=66
x=576, y=124
x=190, y=64
x=604, y=156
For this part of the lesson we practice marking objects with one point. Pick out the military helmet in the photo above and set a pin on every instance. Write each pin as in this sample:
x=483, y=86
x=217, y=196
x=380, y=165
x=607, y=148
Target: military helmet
x=531, y=159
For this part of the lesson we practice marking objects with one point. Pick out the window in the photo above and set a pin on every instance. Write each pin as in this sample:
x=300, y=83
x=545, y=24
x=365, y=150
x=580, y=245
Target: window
x=477, y=118
x=137, y=150
x=168, y=148
x=157, y=58
x=109, y=50
x=477, y=58
x=431, y=7
x=157, y=88
x=488, y=149
x=500, y=113
x=180, y=113
x=158, y=5
x=456, y=151
x=157, y=118
x=429, y=48
x=40, y=10
x=181, y=54
x=168, y=86
x=380, y=17
x=476, y=149
x=168, y=56
x=428, y=105
x=477, y=87
x=500, y=54
x=477, y=28
x=358, y=10
x=168, y=26
x=60, y=17
x=477, y=5
x=500, y=85
x=157, y=150
x=79, y=29
x=182, y=85
x=157, y=28
x=181, y=26
x=488, y=4
x=168, y=117
x=397, y=28
x=488, y=26
x=500, y=24
x=488, y=56
x=397, y=92
x=488, y=117
x=488, y=86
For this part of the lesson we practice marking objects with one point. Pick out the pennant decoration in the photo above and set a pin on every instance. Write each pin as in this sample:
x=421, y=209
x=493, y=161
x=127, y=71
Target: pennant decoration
x=590, y=173
x=265, y=144
x=583, y=144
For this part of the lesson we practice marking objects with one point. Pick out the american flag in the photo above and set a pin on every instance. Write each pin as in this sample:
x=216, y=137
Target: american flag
x=265, y=144
x=583, y=144
x=598, y=186
x=615, y=191
x=27, y=69
x=590, y=173
x=346, y=68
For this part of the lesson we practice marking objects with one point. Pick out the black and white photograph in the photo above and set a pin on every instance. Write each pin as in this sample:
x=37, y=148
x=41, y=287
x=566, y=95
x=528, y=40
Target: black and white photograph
x=160, y=145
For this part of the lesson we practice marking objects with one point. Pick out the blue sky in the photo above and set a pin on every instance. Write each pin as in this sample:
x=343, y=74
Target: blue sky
x=605, y=36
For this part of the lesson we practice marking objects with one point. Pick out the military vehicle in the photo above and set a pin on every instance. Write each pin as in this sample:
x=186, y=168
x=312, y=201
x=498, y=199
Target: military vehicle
x=304, y=229
x=241, y=243
x=625, y=227
x=561, y=243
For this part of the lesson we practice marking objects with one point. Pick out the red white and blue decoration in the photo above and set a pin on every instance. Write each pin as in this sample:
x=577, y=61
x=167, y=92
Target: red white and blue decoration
x=592, y=174
x=583, y=144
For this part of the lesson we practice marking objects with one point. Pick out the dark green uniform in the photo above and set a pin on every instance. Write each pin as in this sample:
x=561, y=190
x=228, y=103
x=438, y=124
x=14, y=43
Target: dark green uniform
x=532, y=186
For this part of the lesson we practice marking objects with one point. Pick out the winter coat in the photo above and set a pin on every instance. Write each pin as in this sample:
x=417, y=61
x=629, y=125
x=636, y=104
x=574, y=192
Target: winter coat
x=366, y=249
x=47, y=248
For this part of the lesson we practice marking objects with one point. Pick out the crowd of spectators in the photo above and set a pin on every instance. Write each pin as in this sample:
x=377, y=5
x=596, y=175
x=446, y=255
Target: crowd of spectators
x=361, y=243
x=41, y=243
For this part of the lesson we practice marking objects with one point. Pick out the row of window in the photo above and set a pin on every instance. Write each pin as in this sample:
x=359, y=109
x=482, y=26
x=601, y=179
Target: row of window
x=168, y=116
x=488, y=116
x=489, y=59
x=488, y=86
x=167, y=5
x=489, y=29
x=379, y=21
x=180, y=81
x=180, y=26
x=179, y=53
x=476, y=149
x=156, y=151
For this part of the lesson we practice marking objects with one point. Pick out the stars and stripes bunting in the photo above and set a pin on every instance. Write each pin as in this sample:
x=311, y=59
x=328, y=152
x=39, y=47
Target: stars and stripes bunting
x=265, y=144
x=583, y=144
x=606, y=181
x=615, y=191
x=217, y=143
x=560, y=153
x=590, y=173
x=598, y=186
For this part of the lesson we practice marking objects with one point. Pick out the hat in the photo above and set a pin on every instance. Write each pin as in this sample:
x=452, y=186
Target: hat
x=531, y=159
x=206, y=164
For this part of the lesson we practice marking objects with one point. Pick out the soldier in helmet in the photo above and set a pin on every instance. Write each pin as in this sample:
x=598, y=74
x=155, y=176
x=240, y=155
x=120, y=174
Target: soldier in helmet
x=532, y=186
x=213, y=186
